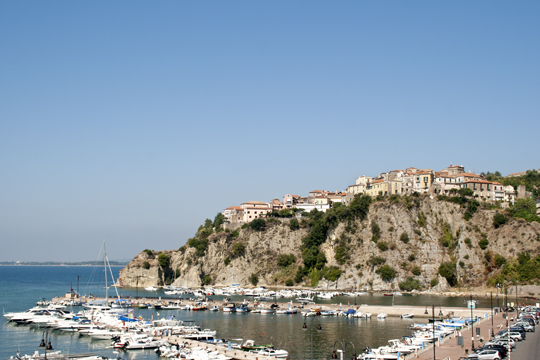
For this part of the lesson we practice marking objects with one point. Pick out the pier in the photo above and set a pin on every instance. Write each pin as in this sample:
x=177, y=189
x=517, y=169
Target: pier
x=232, y=353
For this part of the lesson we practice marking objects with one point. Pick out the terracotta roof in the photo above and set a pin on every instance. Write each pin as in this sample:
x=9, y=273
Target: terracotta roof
x=255, y=203
x=234, y=208
x=377, y=181
x=517, y=174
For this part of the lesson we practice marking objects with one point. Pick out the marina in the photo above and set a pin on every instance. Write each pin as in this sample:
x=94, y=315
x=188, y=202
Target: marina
x=337, y=320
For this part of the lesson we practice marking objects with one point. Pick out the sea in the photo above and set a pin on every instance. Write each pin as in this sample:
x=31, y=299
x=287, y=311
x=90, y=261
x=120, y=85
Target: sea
x=22, y=286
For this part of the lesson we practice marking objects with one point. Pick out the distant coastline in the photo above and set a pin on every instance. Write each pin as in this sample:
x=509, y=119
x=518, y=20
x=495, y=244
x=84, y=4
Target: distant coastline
x=59, y=263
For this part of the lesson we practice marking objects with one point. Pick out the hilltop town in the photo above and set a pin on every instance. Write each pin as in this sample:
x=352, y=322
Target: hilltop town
x=396, y=182
x=410, y=229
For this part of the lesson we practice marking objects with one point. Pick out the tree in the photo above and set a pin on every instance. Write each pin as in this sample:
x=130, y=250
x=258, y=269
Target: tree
x=163, y=260
x=218, y=220
x=404, y=237
x=499, y=219
x=386, y=272
x=285, y=260
x=254, y=279
x=258, y=224
x=448, y=271
x=483, y=243
x=382, y=245
x=416, y=270
x=376, y=231
x=294, y=225
x=465, y=192
x=409, y=285
x=146, y=265
x=238, y=249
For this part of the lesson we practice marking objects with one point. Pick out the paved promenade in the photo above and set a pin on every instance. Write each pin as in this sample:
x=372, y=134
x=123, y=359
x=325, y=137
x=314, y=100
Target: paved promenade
x=448, y=349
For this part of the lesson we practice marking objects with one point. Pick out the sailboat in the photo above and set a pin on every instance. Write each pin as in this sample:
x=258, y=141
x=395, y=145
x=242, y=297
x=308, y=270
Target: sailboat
x=104, y=304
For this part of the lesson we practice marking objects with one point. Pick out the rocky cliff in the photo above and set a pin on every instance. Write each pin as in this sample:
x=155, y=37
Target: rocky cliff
x=435, y=231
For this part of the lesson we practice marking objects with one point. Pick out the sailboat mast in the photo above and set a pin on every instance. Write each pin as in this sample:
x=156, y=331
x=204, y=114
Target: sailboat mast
x=105, y=270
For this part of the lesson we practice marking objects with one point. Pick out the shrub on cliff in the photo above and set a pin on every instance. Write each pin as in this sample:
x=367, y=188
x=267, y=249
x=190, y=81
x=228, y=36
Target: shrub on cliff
x=483, y=243
x=409, y=285
x=258, y=224
x=285, y=260
x=146, y=265
x=382, y=245
x=294, y=225
x=416, y=270
x=148, y=252
x=163, y=260
x=448, y=271
x=254, y=279
x=404, y=237
x=499, y=219
x=238, y=249
x=386, y=272
x=376, y=260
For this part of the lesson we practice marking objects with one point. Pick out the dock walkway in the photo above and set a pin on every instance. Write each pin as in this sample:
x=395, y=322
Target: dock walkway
x=233, y=353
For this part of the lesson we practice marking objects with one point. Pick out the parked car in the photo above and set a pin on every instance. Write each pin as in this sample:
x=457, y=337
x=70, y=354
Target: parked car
x=489, y=354
x=500, y=348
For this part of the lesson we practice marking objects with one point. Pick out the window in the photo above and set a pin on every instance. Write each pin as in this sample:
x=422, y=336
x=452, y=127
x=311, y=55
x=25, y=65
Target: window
x=254, y=212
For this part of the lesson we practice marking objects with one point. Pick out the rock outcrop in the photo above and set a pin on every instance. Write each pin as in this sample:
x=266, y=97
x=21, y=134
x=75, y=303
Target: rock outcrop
x=436, y=230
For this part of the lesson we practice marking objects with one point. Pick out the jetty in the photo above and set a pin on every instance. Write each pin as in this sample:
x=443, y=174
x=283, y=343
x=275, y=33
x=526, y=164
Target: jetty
x=232, y=353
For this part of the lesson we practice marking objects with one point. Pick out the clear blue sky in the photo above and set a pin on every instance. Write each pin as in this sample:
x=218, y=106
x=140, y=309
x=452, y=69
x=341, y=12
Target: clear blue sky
x=131, y=122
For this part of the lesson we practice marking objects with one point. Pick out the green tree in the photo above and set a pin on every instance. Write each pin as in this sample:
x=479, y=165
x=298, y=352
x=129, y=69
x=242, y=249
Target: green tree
x=163, y=260
x=499, y=219
x=416, y=270
x=386, y=272
x=409, y=285
x=219, y=219
x=285, y=260
x=148, y=252
x=238, y=249
x=404, y=237
x=254, y=279
x=483, y=243
x=146, y=265
x=376, y=231
x=227, y=261
x=465, y=192
x=294, y=225
x=524, y=209
x=448, y=271
x=382, y=245
x=258, y=224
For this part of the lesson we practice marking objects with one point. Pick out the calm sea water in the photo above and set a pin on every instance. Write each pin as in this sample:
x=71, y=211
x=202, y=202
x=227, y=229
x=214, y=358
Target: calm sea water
x=22, y=286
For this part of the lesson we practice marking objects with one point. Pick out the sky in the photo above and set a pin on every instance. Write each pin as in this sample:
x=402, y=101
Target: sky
x=131, y=122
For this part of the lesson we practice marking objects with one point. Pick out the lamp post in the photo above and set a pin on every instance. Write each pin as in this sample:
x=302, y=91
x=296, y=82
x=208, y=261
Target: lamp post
x=433, y=323
x=344, y=344
x=44, y=345
x=472, y=304
x=319, y=329
x=517, y=304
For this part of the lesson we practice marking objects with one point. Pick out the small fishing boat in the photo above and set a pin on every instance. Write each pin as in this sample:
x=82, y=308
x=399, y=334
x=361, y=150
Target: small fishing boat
x=407, y=316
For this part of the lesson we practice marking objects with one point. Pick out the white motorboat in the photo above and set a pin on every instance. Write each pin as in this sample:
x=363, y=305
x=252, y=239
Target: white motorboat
x=150, y=288
x=280, y=354
x=382, y=316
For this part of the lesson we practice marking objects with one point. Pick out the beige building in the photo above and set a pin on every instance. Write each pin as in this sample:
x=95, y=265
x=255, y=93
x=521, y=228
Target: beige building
x=254, y=210
x=234, y=214
x=377, y=187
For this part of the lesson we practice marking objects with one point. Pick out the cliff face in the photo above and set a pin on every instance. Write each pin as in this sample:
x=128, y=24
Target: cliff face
x=436, y=230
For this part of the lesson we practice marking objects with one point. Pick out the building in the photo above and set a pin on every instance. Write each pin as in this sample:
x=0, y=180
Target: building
x=276, y=205
x=537, y=202
x=377, y=187
x=509, y=194
x=254, y=210
x=517, y=174
x=289, y=200
x=482, y=188
x=454, y=169
x=498, y=192
x=234, y=214
x=422, y=181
